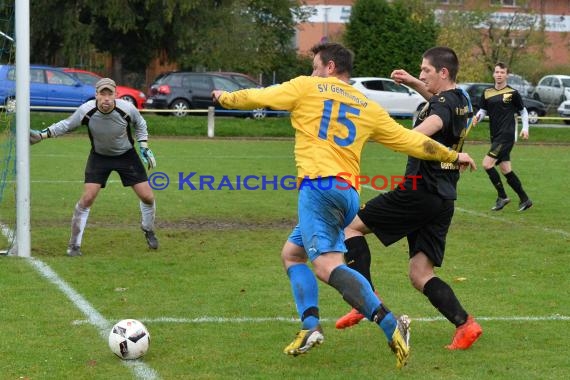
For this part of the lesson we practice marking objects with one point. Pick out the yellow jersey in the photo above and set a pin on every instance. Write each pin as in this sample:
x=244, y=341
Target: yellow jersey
x=332, y=121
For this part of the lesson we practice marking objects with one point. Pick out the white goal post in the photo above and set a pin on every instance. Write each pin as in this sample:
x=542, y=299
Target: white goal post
x=22, y=29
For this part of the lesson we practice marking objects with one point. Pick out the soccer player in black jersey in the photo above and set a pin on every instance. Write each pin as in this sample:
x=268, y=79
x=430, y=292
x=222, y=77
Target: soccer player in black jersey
x=422, y=214
x=501, y=103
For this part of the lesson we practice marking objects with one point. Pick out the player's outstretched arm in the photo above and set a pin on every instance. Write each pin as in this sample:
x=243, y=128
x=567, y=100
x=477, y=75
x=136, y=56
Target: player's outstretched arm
x=402, y=76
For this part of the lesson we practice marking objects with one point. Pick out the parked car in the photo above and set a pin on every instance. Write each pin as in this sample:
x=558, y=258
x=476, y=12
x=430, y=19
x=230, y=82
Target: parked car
x=129, y=94
x=564, y=110
x=397, y=99
x=552, y=89
x=243, y=79
x=534, y=108
x=184, y=90
x=523, y=86
x=49, y=87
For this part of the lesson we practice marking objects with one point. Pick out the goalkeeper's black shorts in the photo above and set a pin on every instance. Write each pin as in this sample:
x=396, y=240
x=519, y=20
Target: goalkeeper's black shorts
x=128, y=165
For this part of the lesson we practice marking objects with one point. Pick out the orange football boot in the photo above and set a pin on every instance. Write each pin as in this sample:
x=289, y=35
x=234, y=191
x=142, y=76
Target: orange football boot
x=465, y=335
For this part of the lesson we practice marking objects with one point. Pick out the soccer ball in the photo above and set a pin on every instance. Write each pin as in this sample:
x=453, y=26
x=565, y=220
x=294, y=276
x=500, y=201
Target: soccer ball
x=129, y=339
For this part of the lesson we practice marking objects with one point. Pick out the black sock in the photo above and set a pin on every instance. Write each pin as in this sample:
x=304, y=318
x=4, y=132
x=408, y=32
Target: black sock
x=496, y=181
x=443, y=299
x=358, y=256
x=516, y=184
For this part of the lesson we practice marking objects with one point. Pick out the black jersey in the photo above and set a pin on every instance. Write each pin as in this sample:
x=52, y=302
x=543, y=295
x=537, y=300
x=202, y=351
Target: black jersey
x=501, y=106
x=453, y=108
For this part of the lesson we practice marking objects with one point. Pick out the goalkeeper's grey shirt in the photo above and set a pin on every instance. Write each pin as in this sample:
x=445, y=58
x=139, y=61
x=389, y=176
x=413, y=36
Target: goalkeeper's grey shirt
x=110, y=133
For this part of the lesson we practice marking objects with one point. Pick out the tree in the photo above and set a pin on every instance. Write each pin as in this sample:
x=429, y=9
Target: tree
x=385, y=36
x=238, y=35
x=134, y=31
x=252, y=36
x=7, y=50
x=128, y=30
x=481, y=38
x=52, y=38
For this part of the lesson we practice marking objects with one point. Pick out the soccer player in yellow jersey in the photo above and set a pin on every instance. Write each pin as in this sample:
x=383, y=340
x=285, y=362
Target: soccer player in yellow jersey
x=332, y=121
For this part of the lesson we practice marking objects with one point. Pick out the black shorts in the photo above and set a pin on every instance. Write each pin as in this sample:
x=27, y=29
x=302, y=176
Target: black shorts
x=501, y=150
x=128, y=165
x=419, y=215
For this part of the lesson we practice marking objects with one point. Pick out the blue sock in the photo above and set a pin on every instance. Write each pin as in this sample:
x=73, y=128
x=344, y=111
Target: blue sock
x=305, y=292
x=388, y=324
x=357, y=291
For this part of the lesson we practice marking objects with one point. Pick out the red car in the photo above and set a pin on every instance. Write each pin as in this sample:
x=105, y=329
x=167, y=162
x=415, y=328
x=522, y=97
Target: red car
x=129, y=94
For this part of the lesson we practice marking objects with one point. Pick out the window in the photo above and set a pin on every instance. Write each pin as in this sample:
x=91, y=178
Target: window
x=546, y=82
x=174, y=80
x=375, y=85
x=87, y=78
x=504, y=3
x=57, y=77
x=518, y=42
x=225, y=84
x=199, y=83
x=36, y=75
x=514, y=42
x=448, y=2
x=245, y=82
x=394, y=87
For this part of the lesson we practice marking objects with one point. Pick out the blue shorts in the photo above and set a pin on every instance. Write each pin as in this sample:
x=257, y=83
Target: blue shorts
x=324, y=212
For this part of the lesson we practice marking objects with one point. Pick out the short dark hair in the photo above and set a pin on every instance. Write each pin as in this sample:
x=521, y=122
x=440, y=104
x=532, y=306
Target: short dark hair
x=502, y=65
x=341, y=56
x=440, y=57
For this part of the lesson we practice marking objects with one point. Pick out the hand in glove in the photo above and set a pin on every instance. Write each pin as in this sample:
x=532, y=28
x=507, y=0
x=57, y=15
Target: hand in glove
x=147, y=155
x=37, y=136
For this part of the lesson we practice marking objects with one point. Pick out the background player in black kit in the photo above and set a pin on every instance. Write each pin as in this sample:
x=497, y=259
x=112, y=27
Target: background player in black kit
x=501, y=103
x=423, y=215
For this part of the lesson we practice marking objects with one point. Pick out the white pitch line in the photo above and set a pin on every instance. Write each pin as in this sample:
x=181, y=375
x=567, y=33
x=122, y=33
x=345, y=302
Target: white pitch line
x=6, y=232
x=140, y=369
x=507, y=221
x=205, y=319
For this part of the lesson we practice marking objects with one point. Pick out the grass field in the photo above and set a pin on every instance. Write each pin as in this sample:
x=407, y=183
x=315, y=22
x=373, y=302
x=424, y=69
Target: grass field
x=217, y=302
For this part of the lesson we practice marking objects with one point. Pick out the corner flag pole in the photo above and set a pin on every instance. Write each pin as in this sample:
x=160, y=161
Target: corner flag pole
x=22, y=23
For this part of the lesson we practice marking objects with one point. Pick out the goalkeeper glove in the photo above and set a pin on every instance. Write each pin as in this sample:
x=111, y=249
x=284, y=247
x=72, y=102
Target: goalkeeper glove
x=146, y=155
x=37, y=136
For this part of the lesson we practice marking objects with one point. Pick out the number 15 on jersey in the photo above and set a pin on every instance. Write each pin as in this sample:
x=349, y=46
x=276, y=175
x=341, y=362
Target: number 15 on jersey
x=342, y=119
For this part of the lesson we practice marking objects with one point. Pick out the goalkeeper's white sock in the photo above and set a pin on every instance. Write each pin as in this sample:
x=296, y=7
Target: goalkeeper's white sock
x=78, y=222
x=147, y=214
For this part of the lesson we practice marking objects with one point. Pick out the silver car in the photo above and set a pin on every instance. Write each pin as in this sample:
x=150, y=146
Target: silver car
x=564, y=111
x=552, y=89
x=524, y=87
x=397, y=99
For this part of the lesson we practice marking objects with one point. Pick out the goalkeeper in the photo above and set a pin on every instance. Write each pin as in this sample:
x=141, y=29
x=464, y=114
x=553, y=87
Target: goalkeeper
x=109, y=121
